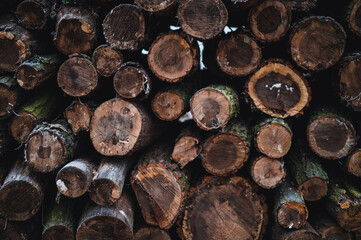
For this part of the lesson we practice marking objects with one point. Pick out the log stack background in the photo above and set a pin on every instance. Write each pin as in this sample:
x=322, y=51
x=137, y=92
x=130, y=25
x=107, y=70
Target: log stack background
x=190, y=119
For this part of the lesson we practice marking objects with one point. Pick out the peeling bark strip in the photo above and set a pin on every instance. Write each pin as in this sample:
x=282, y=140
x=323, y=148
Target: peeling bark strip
x=110, y=222
x=330, y=230
x=160, y=186
x=124, y=27
x=301, y=5
x=119, y=127
x=317, y=43
x=267, y=172
x=173, y=56
x=50, y=146
x=4, y=138
x=278, y=90
x=270, y=20
x=354, y=16
x=21, y=194
x=74, y=179
x=151, y=233
x=306, y=232
x=9, y=95
x=75, y=30
x=203, y=19
x=107, y=60
x=156, y=5
x=224, y=209
x=33, y=14
x=78, y=116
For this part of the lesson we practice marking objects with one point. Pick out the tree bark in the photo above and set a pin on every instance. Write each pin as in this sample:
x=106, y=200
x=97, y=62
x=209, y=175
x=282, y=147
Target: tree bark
x=78, y=115
x=107, y=60
x=9, y=95
x=151, y=233
x=156, y=6
x=306, y=232
x=353, y=17
x=33, y=14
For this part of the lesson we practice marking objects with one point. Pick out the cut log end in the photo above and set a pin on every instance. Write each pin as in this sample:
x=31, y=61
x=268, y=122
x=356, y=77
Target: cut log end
x=31, y=14
x=354, y=163
x=72, y=182
x=168, y=106
x=58, y=232
x=78, y=116
x=313, y=189
x=267, y=172
x=107, y=60
x=104, y=192
x=13, y=51
x=185, y=150
x=26, y=77
x=292, y=215
x=155, y=5
x=21, y=125
x=8, y=100
x=354, y=17
x=149, y=233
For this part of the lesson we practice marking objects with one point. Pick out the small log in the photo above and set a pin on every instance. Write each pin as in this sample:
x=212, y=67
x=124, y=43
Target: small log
x=107, y=185
x=238, y=55
x=160, y=186
x=306, y=232
x=119, y=127
x=212, y=107
x=270, y=20
x=354, y=16
x=75, y=30
x=330, y=135
x=301, y=5
x=353, y=163
x=33, y=14
x=124, y=27
x=131, y=81
x=278, y=90
x=107, y=60
x=330, y=230
x=9, y=95
x=78, y=115
x=151, y=233
x=173, y=56
x=157, y=6
x=200, y=21
x=216, y=210
x=317, y=43
x=111, y=222
x=226, y=152
x=4, y=138
x=77, y=76
x=273, y=137
x=267, y=172
x=74, y=179
x=50, y=146
x=36, y=70
x=290, y=210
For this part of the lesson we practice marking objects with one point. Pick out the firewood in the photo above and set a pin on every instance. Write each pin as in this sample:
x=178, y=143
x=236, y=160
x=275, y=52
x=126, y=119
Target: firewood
x=33, y=14
x=330, y=230
x=306, y=232
x=353, y=163
x=107, y=60
x=9, y=95
x=151, y=233
x=156, y=5
x=353, y=17
x=78, y=115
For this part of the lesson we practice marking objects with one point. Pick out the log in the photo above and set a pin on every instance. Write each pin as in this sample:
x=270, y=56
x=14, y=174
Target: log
x=74, y=179
x=267, y=172
x=77, y=76
x=9, y=95
x=270, y=20
x=131, y=81
x=50, y=146
x=108, y=182
x=4, y=138
x=124, y=27
x=216, y=210
x=37, y=109
x=353, y=17
x=21, y=193
x=330, y=230
x=78, y=115
x=75, y=30
x=330, y=134
x=238, y=55
x=212, y=107
x=200, y=21
x=290, y=210
x=301, y=5
x=273, y=137
x=353, y=163
x=278, y=90
x=306, y=232
x=226, y=152
x=156, y=6
x=33, y=14
x=173, y=56
x=317, y=43
x=159, y=186
x=151, y=233
x=36, y=70
x=119, y=127
x=107, y=60
x=111, y=222
x=11, y=230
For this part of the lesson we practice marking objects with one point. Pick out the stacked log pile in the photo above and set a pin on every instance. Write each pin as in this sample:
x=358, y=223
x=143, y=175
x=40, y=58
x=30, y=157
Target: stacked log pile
x=180, y=119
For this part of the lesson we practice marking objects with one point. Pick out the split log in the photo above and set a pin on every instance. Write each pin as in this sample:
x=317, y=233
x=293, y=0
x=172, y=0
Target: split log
x=75, y=30
x=173, y=56
x=74, y=179
x=37, y=109
x=240, y=4
x=50, y=146
x=107, y=60
x=267, y=172
x=226, y=152
x=119, y=127
x=151, y=233
x=160, y=186
x=278, y=90
x=330, y=134
x=9, y=95
x=77, y=76
x=4, y=138
x=270, y=20
x=78, y=115
x=353, y=163
x=111, y=222
x=330, y=230
x=354, y=16
x=36, y=70
x=317, y=43
x=131, y=81
x=290, y=210
x=33, y=14
x=124, y=27
x=238, y=55
x=107, y=185
x=306, y=232
x=203, y=19
x=212, y=107
x=273, y=137
x=216, y=210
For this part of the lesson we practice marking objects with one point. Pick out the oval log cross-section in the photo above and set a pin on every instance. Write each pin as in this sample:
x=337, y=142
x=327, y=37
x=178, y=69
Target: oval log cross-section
x=267, y=172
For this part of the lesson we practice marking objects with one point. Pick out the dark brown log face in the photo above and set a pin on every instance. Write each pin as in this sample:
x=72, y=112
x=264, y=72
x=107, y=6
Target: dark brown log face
x=8, y=100
x=148, y=233
x=124, y=27
x=168, y=105
x=77, y=77
x=292, y=215
x=267, y=172
x=21, y=125
x=10, y=55
x=203, y=19
x=155, y=5
x=317, y=43
x=78, y=116
x=107, y=60
x=58, y=232
x=354, y=17
x=105, y=192
x=32, y=14
x=354, y=163
x=239, y=55
x=28, y=74
x=331, y=137
x=313, y=189
x=10, y=231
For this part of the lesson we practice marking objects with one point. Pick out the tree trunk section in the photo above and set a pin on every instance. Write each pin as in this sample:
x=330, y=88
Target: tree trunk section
x=156, y=6
x=78, y=115
x=151, y=233
x=33, y=14
x=9, y=95
x=306, y=232
x=267, y=172
x=107, y=60
x=354, y=16
x=353, y=163
x=330, y=230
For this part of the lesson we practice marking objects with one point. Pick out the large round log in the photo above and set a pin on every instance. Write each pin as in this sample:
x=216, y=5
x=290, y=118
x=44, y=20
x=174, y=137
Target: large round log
x=156, y=5
x=33, y=14
x=107, y=60
x=354, y=16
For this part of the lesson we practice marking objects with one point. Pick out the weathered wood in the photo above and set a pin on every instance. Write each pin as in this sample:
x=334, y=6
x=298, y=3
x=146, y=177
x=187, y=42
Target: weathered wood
x=354, y=16
x=151, y=233
x=107, y=60
x=329, y=229
x=156, y=5
x=267, y=172
x=301, y=5
x=9, y=95
x=306, y=232
x=78, y=115
x=12, y=230
x=33, y=14
x=353, y=163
